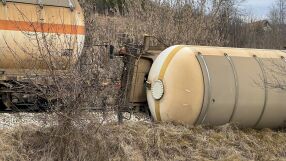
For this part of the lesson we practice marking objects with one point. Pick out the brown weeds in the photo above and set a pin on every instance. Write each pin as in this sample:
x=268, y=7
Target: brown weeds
x=143, y=141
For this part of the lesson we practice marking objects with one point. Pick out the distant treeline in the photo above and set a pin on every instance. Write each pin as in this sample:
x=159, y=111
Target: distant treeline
x=199, y=22
x=110, y=6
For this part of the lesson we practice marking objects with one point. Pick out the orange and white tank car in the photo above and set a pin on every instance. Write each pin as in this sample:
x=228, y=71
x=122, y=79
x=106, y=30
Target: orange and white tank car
x=37, y=36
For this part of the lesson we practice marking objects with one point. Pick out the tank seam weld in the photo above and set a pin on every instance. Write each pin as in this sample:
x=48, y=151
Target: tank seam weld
x=236, y=86
x=203, y=114
x=265, y=89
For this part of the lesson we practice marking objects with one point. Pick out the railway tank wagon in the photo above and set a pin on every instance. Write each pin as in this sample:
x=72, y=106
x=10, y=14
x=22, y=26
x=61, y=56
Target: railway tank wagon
x=36, y=37
x=205, y=85
x=215, y=86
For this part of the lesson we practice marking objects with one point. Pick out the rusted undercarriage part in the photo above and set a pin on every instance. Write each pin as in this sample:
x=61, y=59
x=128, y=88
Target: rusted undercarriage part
x=131, y=54
x=23, y=97
x=137, y=63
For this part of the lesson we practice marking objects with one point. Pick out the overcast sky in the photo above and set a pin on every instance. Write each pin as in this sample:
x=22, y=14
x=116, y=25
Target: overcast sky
x=259, y=8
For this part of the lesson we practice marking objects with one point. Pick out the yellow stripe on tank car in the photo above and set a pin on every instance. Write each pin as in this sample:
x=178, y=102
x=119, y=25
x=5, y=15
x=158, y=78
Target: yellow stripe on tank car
x=162, y=75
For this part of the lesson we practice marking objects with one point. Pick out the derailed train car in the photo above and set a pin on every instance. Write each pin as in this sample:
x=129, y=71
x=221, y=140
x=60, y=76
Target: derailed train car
x=210, y=85
x=36, y=37
x=187, y=84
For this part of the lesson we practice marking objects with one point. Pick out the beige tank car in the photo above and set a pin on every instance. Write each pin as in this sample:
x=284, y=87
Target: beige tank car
x=212, y=85
x=38, y=39
x=39, y=35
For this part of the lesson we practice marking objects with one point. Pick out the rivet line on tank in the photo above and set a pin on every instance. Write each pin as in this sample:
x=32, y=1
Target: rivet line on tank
x=265, y=90
x=236, y=86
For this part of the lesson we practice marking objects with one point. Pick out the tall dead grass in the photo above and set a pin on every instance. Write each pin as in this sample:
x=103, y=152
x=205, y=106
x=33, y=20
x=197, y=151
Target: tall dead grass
x=136, y=141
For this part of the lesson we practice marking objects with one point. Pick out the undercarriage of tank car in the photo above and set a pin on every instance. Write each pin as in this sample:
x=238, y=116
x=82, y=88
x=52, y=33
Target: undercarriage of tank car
x=137, y=61
x=19, y=96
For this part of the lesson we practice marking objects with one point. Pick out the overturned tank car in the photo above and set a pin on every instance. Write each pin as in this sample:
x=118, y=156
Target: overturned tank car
x=208, y=85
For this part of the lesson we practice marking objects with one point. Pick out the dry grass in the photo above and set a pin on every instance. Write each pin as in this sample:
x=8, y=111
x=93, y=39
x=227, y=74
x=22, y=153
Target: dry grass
x=143, y=141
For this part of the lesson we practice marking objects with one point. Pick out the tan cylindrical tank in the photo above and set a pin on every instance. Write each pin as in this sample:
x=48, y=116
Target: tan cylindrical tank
x=40, y=34
x=215, y=86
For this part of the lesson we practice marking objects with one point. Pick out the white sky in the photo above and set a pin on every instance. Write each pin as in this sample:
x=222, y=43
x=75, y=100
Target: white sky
x=259, y=8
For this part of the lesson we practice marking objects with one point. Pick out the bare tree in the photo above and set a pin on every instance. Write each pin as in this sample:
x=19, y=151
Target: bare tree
x=277, y=18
